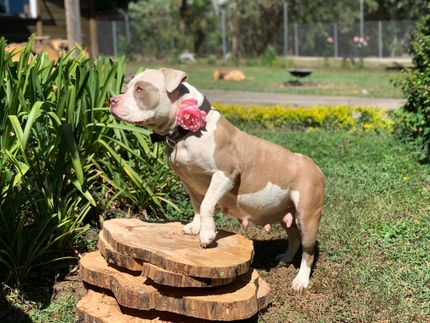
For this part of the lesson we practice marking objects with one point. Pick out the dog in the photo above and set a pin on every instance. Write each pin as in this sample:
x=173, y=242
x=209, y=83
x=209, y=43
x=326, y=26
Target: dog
x=230, y=75
x=223, y=167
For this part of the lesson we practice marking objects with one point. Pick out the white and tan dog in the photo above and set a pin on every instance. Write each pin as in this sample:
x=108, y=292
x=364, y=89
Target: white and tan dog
x=220, y=166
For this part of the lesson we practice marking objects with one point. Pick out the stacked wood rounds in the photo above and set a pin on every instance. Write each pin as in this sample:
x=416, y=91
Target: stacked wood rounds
x=145, y=272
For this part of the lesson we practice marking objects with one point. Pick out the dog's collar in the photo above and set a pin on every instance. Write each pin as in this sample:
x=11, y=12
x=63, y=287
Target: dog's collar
x=179, y=133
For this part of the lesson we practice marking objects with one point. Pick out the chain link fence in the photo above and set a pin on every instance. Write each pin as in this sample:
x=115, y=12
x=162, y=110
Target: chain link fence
x=381, y=39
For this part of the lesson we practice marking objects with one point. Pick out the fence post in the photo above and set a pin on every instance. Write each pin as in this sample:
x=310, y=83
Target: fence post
x=380, y=38
x=114, y=39
x=362, y=19
x=223, y=34
x=296, y=39
x=285, y=28
x=335, y=43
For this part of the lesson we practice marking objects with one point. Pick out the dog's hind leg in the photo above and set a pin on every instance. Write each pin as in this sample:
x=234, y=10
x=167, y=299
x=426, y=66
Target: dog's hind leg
x=308, y=223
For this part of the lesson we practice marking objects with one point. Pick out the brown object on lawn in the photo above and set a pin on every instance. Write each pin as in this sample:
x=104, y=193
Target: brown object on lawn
x=52, y=47
x=228, y=75
x=16, y=49
x=164, y=245
x=155, y=273
x=239, y=300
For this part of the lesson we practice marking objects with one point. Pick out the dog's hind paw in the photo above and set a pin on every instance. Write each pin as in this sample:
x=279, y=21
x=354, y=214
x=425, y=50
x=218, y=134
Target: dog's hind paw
x=191, y=228
x=300, y=283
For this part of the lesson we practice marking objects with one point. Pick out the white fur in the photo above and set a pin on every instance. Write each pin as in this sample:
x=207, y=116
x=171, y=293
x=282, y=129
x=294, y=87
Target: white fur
x=194, y=94
x=193, y=227
x=295, y=197
x=220, y=184
x=271, y=195
x=302, y=279
x=198, y=151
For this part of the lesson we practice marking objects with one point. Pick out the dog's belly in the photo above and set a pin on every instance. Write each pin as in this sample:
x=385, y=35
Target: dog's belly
x=266, y=206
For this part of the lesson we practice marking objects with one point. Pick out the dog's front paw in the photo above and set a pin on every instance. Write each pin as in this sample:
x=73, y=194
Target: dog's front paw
x=191, y=228
x=206, y=238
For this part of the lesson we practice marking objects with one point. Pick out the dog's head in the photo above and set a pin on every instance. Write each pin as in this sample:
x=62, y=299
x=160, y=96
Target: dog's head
x=151, y=99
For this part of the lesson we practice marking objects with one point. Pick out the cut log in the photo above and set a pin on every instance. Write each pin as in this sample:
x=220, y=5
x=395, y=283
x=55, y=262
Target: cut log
x=97, y=307
x=116, y=258
x=165, y=246
x=156, y=274
x=227, y=303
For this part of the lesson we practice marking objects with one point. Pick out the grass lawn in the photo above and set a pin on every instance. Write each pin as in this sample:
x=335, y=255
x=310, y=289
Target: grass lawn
x=337, y=82
x=373, y=259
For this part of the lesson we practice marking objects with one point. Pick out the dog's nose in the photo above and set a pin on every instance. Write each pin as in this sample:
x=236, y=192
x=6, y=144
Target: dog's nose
x=113, y=100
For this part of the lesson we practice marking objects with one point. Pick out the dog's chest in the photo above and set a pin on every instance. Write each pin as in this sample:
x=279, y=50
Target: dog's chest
x=193, y=154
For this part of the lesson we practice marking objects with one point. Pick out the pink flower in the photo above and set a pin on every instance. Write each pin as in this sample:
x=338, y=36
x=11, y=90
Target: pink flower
x=356, y=39
x=330, y=40
x=190, y=117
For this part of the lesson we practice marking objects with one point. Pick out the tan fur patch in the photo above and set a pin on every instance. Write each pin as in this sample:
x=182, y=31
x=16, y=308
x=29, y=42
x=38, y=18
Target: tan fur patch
x=146, y=95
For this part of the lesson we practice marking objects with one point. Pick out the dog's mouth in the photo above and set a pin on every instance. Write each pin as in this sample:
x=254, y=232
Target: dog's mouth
x=120, y=117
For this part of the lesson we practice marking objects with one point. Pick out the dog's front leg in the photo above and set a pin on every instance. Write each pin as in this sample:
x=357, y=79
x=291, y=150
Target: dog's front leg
x=220, y=184
x=196, y=200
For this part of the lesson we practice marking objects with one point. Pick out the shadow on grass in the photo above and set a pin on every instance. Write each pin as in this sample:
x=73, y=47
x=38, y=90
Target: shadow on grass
x=267, y=250
x=9, y=312
x=36, y=293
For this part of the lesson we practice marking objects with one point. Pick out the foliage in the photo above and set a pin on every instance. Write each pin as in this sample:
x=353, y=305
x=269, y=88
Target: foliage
x=256, y=24
x=61, y=153
x=414, y=119
x=270, y=58
x=169, y=26
x=151, y=21
x=326, y=117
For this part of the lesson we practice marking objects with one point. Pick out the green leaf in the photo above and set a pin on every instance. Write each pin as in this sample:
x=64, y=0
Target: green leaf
x=73, y=150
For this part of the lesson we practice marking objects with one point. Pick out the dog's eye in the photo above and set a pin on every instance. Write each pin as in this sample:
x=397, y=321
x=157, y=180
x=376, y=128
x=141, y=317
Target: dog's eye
x=139, y=89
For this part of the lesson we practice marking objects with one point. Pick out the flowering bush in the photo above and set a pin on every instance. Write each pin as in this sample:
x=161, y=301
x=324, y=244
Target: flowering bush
x=328, y=49
x=360, y=41
x=326, y=117
x=360, y=44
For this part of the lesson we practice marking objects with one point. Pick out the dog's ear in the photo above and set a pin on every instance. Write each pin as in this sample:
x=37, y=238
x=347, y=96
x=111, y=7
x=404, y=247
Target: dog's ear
x=173, y=78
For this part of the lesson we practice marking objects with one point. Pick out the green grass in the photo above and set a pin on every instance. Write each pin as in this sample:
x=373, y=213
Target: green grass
x=62, y=310
x=336, y=82
x=374, y=241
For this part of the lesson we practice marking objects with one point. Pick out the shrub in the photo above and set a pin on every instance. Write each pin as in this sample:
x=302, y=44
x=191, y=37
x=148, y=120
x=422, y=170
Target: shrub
x=326, y=117
x=413, y=120
x=270, y=58
x=61, y=153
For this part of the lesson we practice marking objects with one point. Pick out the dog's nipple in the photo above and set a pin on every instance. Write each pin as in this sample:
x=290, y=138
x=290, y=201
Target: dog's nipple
x=245, y=221
x=288, y=219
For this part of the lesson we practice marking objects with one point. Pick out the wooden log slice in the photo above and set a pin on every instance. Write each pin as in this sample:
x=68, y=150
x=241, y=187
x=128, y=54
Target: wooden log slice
x=164, y=245
x=116, y=258
x=97, y=307
x=235, y=301
x=156, y=274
